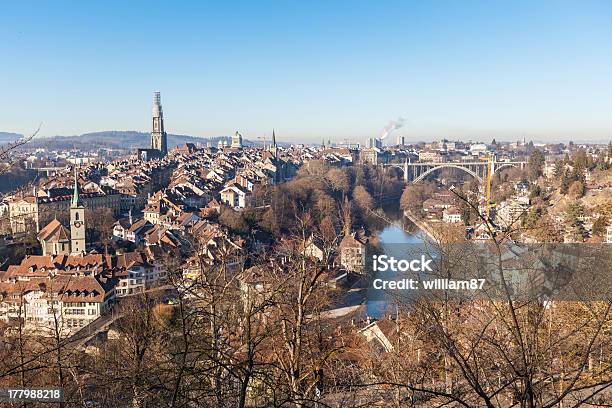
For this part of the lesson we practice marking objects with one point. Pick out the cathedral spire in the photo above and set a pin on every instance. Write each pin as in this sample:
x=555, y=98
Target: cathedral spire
x=159, y=137
x=76, y=200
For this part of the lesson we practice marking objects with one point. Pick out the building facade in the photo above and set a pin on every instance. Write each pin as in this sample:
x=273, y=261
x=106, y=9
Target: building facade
x=237, y=141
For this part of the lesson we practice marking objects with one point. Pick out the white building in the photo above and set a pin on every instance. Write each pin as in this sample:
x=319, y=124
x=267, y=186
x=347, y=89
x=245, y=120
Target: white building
x=478, y=149
x=314, y=249
x=451, y=215
x=237, y=141
x=235, y=197
x=508, y=211
x=137, y=272
x=65, y=303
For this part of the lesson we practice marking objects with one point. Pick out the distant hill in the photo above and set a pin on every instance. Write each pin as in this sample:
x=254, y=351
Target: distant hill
x=124, y=139
x=6, y=137
x=118, y=139
x=121, y=139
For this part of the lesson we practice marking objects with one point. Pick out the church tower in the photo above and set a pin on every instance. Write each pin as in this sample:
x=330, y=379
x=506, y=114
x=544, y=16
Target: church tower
x=159, y=138
x=77, y=220
x=273, y=149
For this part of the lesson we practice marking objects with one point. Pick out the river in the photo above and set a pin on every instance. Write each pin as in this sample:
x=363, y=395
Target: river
x=393, y=240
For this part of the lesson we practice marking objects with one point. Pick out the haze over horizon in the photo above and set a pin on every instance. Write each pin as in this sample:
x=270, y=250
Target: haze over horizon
x=312, y=71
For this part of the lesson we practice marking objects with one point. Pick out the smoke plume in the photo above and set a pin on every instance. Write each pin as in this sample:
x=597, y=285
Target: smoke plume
x=393, y=125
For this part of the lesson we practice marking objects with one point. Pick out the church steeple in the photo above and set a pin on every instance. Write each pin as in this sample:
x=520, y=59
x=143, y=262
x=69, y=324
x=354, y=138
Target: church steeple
x=77, y=220
x=76, y=200
x=273, y=148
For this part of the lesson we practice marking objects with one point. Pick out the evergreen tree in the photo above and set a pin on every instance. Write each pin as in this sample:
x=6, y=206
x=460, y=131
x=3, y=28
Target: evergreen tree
x=559, y=168
x=565, y=182
x=536, y=163
x=532, y=217
x=536, y=191
x=573, y=212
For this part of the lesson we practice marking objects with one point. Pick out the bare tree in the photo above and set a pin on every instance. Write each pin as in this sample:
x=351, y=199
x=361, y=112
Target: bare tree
x=8, y=151
x=500, y=349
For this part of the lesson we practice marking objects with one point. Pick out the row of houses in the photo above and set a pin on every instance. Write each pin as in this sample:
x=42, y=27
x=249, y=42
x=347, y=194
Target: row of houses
x=68, y=292
x=179, y=196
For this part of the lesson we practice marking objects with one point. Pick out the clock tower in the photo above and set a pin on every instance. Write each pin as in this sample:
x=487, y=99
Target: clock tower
x=77, y=220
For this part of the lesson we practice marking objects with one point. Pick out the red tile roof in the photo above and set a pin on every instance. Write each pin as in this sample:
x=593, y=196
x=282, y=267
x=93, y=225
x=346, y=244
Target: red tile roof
x=54, y=232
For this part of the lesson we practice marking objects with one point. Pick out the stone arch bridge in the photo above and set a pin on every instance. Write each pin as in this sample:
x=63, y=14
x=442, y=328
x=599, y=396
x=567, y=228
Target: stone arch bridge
x=415, y=172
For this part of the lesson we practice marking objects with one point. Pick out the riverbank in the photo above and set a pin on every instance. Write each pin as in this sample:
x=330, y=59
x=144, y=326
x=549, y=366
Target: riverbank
x=422, y=225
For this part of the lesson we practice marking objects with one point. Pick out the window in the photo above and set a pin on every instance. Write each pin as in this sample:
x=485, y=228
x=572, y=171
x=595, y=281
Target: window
x=76, y=216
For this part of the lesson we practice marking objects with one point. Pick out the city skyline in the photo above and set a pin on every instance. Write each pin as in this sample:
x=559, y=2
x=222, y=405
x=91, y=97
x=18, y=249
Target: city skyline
x=295, y=204
x=317, y=71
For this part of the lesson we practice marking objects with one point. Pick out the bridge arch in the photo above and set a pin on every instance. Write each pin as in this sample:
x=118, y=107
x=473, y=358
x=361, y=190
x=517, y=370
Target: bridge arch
x=500, y=166
x=447, y=166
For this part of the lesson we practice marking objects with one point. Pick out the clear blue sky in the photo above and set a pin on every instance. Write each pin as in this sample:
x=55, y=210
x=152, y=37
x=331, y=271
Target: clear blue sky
x=310, y=69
